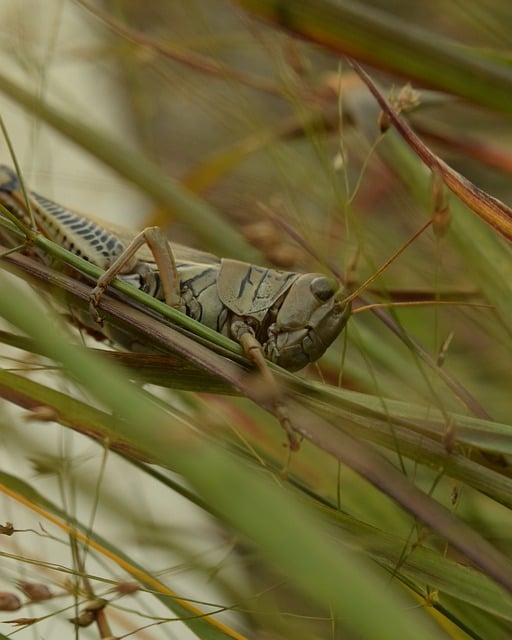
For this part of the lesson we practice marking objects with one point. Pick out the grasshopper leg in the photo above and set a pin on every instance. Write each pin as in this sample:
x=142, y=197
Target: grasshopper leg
x=245, y=336
x=164, y=258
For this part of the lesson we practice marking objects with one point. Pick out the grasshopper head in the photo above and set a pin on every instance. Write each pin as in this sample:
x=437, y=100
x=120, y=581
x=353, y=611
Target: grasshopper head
x=310, y=317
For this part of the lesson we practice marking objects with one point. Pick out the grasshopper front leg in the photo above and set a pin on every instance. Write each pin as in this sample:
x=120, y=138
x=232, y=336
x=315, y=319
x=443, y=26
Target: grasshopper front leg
x=244, y=334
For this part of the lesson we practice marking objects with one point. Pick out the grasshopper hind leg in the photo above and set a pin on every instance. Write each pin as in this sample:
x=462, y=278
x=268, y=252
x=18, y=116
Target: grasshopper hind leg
x=166, y=268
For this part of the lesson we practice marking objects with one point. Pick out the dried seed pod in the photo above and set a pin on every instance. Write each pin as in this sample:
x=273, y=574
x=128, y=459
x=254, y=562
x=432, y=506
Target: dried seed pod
x=9, y=601
x=35, y=592
x=127, y=587
x=21, y=622
x=6, y=529
x=95, y=605
x=84, y=619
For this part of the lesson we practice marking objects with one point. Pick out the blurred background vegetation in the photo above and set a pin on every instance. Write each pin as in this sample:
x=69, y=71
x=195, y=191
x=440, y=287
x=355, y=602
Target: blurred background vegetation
x=393, y=517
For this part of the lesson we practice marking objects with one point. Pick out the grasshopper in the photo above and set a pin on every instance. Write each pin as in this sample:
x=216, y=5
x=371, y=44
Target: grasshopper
x=288, y=318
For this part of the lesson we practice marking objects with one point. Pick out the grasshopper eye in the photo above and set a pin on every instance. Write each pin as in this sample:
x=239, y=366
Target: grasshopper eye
x=323, y=288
